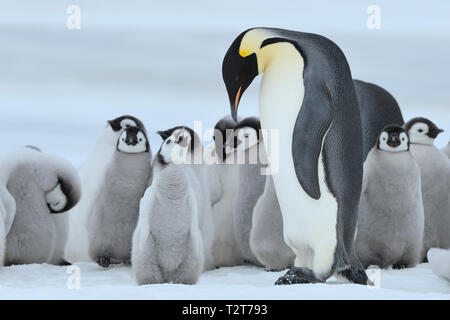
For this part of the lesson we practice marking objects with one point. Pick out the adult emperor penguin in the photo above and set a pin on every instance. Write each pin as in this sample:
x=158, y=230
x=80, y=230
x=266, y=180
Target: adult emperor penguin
x=91, y=174
x=391, y=219
x=446, y=150
x=167, y=242
x=222, y=179
x=114, y=213
x=41, y=186
x=198, y=175
x=435, y=176
x=251, y=180
x=307, y=95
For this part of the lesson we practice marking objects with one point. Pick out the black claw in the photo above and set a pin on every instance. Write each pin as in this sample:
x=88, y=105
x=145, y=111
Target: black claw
x=399, y=266
x=297, y=275
x=104, y=261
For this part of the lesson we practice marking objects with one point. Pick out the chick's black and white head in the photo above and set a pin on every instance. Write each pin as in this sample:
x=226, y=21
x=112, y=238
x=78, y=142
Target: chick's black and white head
x=422, y=131
x=177, y=144
x=133, y=140
x=223, y=130
x=124, y=122
x=393, y=138
x=247, y=134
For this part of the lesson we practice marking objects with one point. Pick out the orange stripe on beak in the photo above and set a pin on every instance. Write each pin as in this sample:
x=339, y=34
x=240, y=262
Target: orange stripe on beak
x=238, y=94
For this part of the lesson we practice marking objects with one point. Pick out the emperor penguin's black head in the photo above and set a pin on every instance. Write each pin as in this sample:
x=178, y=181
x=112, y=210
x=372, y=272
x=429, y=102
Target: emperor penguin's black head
x=133, y=140
x=422, y=131
x=178, y=143
x=125, y=121
x=393, y=138
x=247, y=134
x=239, y=68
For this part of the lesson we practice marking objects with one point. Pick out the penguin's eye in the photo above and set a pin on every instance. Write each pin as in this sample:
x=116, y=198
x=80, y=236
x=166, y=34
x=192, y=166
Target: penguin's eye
x=384, y=139
x=214, y=138
x=420, y=130
x=246, y=135
x=123, y=139
x=168, y=141
x=180, y=139
x=140, y=139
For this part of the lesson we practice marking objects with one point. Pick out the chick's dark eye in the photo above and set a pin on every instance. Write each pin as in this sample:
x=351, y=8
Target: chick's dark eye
x=420, y=130
x=168, y=141
x=140, y=139
x=245, y=135
x=180, y=139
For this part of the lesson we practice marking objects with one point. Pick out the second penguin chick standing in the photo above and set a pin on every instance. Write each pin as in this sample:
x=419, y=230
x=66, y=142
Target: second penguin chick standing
x=251, y=180
x=167, y=243
x=114, y=214
x=391, y=218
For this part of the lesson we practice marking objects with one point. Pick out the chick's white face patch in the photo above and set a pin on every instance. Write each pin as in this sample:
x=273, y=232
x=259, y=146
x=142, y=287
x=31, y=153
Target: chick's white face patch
x=137, y=145
x=175, y=148
x=56, y=199
x=403, y=146
x=418, y=133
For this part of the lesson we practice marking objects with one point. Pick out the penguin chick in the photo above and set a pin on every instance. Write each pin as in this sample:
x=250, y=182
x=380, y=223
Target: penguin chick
x=267, y=236
x=43, y=187
x=446, y=150
x=167, y=242
x=391, y=218
x=91, y=173
x=251, y=179
x=114, y=214
x=192, y=160
x=222, y=176
x=435, y=177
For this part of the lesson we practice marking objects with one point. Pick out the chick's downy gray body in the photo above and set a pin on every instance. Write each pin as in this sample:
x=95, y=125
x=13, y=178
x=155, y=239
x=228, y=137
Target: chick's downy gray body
x=391, y=218
x=37, y=235
x=114, y=214
x=167, y=243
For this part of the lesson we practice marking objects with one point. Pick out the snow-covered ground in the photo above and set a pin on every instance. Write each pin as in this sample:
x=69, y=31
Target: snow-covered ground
x=161, y=61
x=236, y=283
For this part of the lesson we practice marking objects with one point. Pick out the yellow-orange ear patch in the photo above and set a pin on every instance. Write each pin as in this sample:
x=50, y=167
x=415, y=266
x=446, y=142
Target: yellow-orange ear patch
x=244, y=52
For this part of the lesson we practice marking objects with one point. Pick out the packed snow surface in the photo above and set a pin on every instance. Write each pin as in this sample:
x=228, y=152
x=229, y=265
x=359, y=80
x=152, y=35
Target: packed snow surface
x=243, y=282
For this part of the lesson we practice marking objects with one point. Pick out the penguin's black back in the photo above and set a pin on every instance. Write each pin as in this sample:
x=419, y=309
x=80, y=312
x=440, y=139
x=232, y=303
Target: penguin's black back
x=378, y=109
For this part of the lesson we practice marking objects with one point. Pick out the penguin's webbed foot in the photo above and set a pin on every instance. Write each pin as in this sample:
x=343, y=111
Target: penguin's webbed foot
x=356, y=274
x=103, y=261
x=298, y=275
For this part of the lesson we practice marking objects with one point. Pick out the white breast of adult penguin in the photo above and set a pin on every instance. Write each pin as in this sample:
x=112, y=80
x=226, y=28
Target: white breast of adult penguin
x=114, y=213
x=308, y=99
x=43, y=187
x=391, y=218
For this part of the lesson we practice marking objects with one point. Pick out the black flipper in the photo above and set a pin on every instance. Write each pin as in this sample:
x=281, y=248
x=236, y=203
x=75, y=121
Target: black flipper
x=313, y=121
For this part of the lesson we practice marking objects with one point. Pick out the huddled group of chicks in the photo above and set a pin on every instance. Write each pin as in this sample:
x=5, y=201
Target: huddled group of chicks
x=175, y=215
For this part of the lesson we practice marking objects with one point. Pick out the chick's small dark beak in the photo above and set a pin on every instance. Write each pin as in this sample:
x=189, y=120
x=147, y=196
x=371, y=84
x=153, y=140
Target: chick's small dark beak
x=393, y=141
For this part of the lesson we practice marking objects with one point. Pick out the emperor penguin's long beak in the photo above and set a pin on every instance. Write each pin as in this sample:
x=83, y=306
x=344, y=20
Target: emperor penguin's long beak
x=234, y=107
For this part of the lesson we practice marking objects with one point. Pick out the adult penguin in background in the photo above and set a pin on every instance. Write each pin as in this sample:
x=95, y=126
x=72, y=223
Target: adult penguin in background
x=378, y=109
x=222, y=180
x=41, y=186
x=114, y=213
x=435, y=177
x=307, y=94
x=167, y=242
x=446, y=150
x=91, y=174
x=251, y=180
x=198, y=176
x=391, y=219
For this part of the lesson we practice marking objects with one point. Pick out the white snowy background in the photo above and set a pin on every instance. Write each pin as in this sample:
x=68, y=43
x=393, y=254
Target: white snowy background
x=161, y=61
